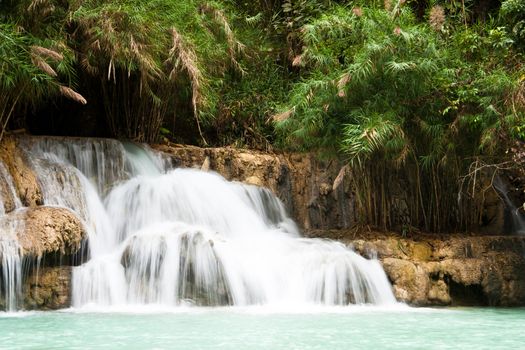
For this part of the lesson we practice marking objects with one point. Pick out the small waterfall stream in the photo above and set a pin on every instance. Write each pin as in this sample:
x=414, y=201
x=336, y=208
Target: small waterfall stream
x=10, y=254
x=167, y=236
x=516, y=215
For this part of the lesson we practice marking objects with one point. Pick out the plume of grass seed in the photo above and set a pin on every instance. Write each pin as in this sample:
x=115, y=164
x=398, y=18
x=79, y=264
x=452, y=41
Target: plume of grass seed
x=45, y=52
x=436, y=17
x=234, y=46
x=43, y=66
x=72, y=94
x=282, y=116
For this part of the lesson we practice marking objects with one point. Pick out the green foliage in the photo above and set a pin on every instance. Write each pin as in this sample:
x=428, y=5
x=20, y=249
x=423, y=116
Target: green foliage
x=143, y=56
x=281, y=21
x=513, y=13
x=383, y=87
x=29, y=72
x=168, y=45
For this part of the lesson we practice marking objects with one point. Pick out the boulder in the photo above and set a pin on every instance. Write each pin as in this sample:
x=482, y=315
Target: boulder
x=449, y=270
x=42, y=231
x=48, y=288
x=410, y=282
x=25, y=180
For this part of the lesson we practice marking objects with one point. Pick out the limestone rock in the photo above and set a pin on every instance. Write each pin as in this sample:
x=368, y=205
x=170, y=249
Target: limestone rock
x=463, y=271
x=7, y=202
x=383, y=248
x=421, y=251
x=206, y=164
x=304, y=183
x=438, y=293
x=25, y=180
x=411, y=283
x=48, y=288
x=46, y=230
x=253, y=180
x=481, y=270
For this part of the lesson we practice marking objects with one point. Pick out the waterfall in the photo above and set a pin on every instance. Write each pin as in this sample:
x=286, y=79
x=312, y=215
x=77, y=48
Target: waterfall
x=167, y=236
x=9, y=190
x=11, y=263
x=10, y=254
x=516, y=216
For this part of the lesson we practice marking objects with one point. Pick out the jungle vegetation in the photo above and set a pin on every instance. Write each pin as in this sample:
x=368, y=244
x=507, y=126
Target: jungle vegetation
x=415, y=95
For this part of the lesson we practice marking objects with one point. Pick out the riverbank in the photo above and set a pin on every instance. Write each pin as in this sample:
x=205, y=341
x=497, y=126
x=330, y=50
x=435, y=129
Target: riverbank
x=456, y=269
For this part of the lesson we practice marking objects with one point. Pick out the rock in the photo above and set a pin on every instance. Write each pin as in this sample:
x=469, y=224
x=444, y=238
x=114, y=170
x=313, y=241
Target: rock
x=438, y=293
x=325, y=189
x=46, y=230
x=253, y=180
x=7, y=200
x=25, y=180
x=382, y=248
x=410, y=282
x=304, y=183
x=480, y=270
x=421, y=251
x=462, y=271
x=48, y=288
x=49, y=239
x=503, y=279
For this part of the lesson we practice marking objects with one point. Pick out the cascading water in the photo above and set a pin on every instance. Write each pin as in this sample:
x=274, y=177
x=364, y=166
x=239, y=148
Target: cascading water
x=11, y=263
x=10, y=254
x=181, y=236
x=516, y=216
x=10, y=191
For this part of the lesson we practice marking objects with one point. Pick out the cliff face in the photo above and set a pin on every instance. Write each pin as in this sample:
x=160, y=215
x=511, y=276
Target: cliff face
x=307, y=186
x=449, y=270
x=426, y=270
x=318, y=194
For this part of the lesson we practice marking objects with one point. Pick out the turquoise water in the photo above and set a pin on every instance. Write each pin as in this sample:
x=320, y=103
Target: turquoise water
x=253, y=328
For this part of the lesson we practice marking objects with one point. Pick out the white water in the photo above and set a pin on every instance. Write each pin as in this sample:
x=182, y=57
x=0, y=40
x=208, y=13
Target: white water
x=180, y=236
x=517, y=218
x=11, y=261
x=7, y=180
x=10, y=254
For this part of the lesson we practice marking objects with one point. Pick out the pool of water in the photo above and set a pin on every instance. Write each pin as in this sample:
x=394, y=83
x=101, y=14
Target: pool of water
x=263, y=328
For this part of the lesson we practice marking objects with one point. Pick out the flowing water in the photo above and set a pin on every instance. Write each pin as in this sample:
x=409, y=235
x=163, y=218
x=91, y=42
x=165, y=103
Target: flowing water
x=10, y=256
x=175, y=237
x=233, y=328
x=516, y=215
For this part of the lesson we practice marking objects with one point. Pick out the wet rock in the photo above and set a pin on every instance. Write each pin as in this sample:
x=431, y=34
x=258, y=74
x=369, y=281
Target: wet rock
x=52, y=230
x=42, y=231
x=25, y=180
x=253, y=180
x=49, y=239
x=438, y=293
x=48, y=288
x=7, y=202
x=410, y=281
x=483, y=270
x=317, y=194
x=206, y=164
